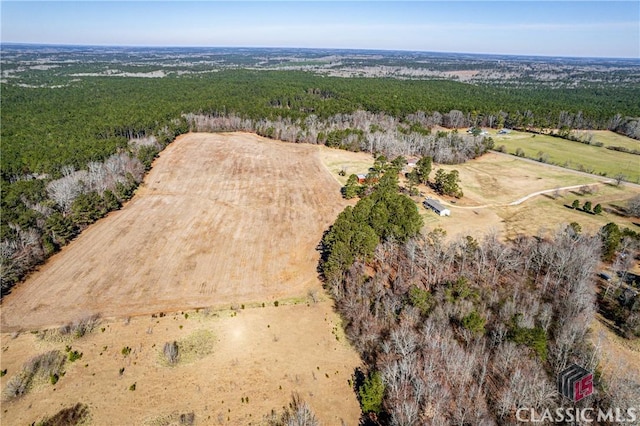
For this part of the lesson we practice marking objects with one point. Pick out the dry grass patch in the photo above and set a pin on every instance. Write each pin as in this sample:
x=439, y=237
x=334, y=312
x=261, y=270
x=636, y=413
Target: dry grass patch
x=545, y=212
x=71, y=331
x=493, y=181
x=195, y=346
x=47, y=367
x=500, y=179
x=343, y=163
x=247, y=371
x=173, y=419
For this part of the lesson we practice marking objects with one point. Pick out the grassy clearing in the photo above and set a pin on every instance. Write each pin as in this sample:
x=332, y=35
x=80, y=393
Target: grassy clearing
x=498, y=179
x=545, y=212
x=195, y=346
x=493, y=181
x=337, y=160
x=573, y=155
x=609, y=138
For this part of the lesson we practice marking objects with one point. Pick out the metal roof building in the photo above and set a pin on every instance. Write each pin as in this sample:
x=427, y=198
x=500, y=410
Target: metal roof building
x=435, y=205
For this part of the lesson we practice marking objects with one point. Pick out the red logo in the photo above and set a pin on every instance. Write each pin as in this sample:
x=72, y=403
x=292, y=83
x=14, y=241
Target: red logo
x=575, y=383
x=583, y=387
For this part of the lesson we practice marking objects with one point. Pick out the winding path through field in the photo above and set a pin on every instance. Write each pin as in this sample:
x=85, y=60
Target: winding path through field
x=520, y=200
x=603, y=181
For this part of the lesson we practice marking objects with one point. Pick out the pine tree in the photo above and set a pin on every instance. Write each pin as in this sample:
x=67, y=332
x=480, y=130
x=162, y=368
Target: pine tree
x=423, y=169
x=372, y=393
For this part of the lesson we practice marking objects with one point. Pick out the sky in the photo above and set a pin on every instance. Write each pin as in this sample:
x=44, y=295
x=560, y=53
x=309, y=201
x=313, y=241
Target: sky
x=548, y=28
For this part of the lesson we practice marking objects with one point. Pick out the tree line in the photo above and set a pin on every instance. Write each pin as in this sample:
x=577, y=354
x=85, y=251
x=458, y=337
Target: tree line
x=45, y=129
x=54, y=138
x=40, y=216
x=357, y=131
x=468, y=332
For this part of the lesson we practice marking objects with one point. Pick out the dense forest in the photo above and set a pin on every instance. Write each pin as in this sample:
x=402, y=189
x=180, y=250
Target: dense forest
x=45, y=129
x=75, y=144
x=465, y=332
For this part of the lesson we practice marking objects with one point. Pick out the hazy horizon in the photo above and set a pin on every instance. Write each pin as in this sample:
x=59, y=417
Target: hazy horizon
x=601, y=29
x=328, y=49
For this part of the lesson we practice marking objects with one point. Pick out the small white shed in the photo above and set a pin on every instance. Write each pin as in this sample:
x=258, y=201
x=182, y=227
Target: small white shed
x=435, y=205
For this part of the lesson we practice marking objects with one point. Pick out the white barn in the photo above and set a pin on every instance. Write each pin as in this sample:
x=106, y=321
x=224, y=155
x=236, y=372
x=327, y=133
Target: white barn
x=435, y=205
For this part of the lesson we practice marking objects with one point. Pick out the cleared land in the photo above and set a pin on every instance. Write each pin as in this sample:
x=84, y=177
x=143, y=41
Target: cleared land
x=617, y=352
x=209, y=228
x=609, y=138
x=493, y=181
x=257, y=359
x=575, y=155
x=337, y=161
x=220, y=219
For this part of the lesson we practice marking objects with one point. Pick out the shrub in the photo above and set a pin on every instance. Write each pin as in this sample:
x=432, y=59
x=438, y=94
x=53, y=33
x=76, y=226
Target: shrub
x=459, y=290
x=74, y=356
x=171, y=352
x=71, y=416
x=174, y=419
x=126, y=350
x=421, y=299
x=42, y=367
x=85, y=325
x=474, y=322
x=298, y=413
x=17, y=386
x=535, y=338
x=195, y=346
x=371, y=393
x=132, y=387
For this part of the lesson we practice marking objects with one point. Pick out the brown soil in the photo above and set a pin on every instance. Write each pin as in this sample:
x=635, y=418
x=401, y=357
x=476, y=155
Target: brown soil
x=261, y=355
x=220, y=219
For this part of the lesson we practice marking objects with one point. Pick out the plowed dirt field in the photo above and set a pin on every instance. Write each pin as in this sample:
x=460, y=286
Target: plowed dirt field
x=220, y=219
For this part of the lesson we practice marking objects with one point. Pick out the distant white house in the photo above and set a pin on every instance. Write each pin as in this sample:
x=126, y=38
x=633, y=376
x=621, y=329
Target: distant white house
x=435, y=205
